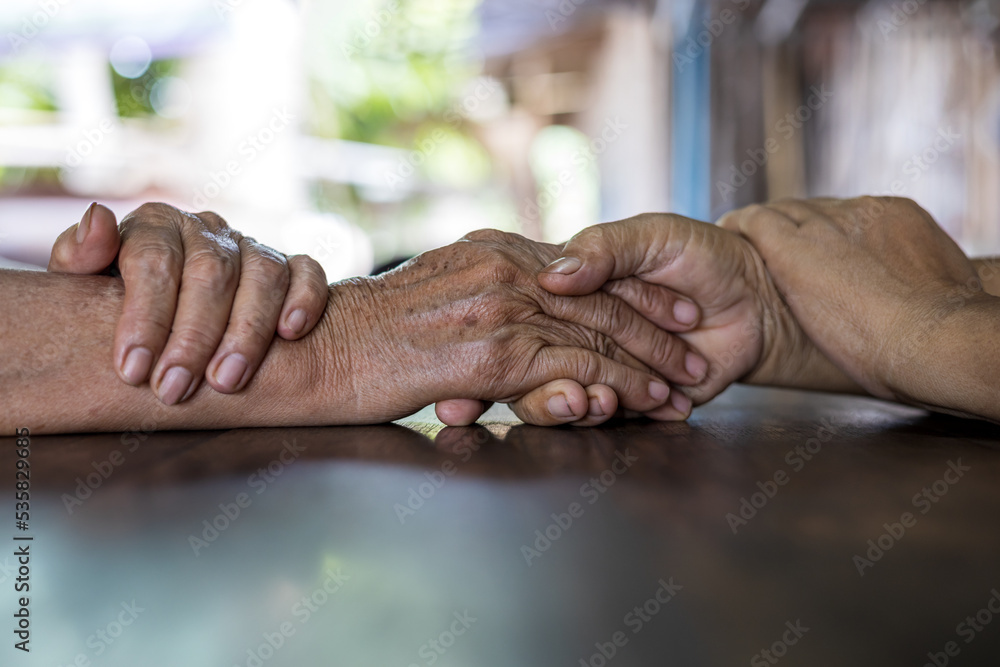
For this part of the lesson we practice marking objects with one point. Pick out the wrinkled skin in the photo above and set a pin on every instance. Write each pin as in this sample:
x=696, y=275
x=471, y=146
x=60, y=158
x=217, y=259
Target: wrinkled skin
x=201, y=299
x=746, y=332
x=470, y=320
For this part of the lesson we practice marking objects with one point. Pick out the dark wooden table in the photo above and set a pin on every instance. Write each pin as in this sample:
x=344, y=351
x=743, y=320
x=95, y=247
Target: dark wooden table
x=823, y=530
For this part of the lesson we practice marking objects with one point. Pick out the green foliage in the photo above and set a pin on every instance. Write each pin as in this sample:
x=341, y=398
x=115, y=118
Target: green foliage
x=378, y=70
x=26, y=85
x=132, y=95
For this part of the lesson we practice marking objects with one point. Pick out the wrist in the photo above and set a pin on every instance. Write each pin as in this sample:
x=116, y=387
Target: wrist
x=338, y=354
x=949, y=358
x=788, y=357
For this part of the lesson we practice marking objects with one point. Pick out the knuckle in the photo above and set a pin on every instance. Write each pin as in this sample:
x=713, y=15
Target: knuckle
x=190, y=342
x=588, y=368
x=494, y=267
x=211, y=220
x=149, y=326
x=259, y=250
x=486, y=235
x=592, y=341
x=652, y=301
x=254, y=329
x=665, y=350
x=493, y=310
x=267, y=269
x=212, y=267
x=160, y=260
x=607, y=347
x=590, y=236
x=153, y=212
x=308, y=266
x=618, y=319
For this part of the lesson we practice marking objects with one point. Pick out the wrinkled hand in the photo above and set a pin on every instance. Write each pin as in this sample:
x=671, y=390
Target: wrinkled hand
x=201, y=300
x=470, y=320
x=880, y=288
x=745, y=331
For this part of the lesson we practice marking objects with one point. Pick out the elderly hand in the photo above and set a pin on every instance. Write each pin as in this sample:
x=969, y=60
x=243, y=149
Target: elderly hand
x=470, y=320
x=887, y=295
x=745, y=331
x=200, y=298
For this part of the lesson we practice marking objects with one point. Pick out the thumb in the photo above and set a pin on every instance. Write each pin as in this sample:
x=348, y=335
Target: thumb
x=614, y=250
x=88, y=247
x=771, y=233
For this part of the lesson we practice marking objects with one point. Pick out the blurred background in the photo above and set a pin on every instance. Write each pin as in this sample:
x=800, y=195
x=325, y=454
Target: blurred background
x=365, y=131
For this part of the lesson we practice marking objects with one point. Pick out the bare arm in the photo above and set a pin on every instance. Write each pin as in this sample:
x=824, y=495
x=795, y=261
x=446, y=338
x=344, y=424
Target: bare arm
x=886, y=295
x=466, y=320
x=57, y=373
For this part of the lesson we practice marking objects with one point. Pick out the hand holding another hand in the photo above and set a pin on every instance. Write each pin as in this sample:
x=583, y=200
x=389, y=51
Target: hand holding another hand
x=885, y=293
x=745, y=332
x=201, y=299
x=470, y=320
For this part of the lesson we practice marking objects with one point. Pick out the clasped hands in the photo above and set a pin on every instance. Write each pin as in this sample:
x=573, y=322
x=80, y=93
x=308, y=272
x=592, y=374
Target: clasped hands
x=651, y=315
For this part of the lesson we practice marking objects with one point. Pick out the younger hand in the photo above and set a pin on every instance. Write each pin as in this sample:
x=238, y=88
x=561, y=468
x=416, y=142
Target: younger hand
x=882, y=290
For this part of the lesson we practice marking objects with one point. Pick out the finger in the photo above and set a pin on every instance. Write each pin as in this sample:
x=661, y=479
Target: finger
x=615, y=318
x=263, y=283
x=557, y=402
x=660, y=305
x=603, y=405
x=308, y=294
x=678, y=408
x=88, y=247
x=548, y=405
x=613, y=250
x=460, y=411
x=151, y=261
x=636, y=389
x=211, y=276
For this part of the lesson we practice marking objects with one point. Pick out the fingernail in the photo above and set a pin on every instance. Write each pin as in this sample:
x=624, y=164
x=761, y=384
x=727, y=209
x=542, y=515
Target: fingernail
x=559, y=407
x=84, y=225
x=658, y=390
x=564, y=265
x=680, y=402
x=685, y=312
x=175, y=385
x=137, y=365
x=231, y=371
x=296, y=321
x=595, y=408
x=695, y=365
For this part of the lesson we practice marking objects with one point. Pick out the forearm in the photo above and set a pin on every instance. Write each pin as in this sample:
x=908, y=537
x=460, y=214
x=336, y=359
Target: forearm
x=989, y=273
x=811, y=371
x=56, y=372
x=952, y=363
